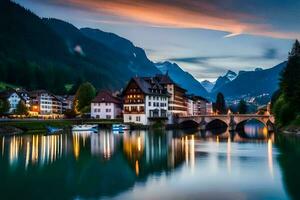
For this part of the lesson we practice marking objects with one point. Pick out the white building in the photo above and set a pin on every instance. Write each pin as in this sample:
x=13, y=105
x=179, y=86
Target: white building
x=145, y=101
x=198, y=105
x=13, y=98
x=45, y=103
x=106, y=106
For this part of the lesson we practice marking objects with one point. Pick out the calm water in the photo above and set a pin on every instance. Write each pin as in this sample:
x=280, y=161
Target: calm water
x=148, y=165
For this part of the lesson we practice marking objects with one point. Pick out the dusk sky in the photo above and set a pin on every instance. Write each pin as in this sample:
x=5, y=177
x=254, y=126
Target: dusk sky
x=204, y=37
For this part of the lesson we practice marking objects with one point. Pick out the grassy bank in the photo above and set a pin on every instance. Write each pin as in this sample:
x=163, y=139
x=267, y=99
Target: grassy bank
x=40, y=125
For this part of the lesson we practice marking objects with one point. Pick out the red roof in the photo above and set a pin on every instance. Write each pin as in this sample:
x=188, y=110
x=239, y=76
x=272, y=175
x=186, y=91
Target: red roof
x=106, y=97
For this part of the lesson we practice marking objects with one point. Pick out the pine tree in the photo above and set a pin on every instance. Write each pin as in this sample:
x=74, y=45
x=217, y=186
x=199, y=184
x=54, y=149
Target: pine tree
x=290, y=78
x=220, y=105
x=242, y=108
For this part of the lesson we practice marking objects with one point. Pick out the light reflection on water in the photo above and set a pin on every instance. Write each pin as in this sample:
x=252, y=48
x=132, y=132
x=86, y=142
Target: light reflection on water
x=140, y=165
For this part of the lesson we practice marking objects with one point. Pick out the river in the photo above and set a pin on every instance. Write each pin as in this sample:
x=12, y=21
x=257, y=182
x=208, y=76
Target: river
x=150, y=165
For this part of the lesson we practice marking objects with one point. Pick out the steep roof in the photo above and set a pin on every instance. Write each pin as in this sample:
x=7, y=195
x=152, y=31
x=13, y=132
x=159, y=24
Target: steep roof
x=149, y=85
x=7, y=93
x=165, y=79
x=106, y=97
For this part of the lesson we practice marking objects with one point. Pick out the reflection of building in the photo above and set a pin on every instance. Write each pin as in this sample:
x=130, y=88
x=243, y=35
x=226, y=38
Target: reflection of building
x=103, y=144
x=34, y=150
x=145, y=100
x=106, y=106
x=148, y=153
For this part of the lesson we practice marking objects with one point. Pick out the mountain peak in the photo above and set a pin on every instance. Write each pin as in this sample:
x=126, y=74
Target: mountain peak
x=231, y=75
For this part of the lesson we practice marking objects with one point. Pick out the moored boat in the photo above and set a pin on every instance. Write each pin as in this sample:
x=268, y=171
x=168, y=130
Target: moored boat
x=53, y=130
x=85, y=127
x=120, y=127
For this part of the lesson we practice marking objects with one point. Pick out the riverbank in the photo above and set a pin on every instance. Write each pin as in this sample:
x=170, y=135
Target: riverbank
x=293, y=128
x=36, y=125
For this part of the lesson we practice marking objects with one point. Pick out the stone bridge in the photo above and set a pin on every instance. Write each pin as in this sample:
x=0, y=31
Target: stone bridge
x=231, y=120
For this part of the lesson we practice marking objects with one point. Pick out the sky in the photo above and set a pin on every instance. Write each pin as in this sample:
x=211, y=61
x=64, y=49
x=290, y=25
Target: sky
x=204, y=37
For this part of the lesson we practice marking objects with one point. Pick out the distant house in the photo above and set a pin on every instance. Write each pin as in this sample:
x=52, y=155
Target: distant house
x=198, y=105
x=106, y=106
x=145, y=100
x=13, y=98
x=67, y=102
x=45, y=103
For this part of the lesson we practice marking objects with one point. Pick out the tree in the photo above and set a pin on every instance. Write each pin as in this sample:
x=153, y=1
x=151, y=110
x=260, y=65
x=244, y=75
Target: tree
x=4, y=106
x=21, y=108
x=220, y=105
x=242, y=108
x=289, y=81
x=84, y=96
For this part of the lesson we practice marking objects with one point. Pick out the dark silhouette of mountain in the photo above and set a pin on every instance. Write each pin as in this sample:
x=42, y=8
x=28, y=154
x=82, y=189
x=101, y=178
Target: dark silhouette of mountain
x=48, y=53
x=253, y=83
x=182, y=78
x=139, y=63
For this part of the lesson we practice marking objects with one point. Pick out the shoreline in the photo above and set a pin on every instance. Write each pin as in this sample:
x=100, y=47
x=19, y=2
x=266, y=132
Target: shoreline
x=30, y=126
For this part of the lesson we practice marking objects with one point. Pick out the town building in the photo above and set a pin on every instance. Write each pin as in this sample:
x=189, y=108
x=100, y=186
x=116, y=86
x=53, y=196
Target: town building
x=24, y=94
x=13, y=98
x=106, y=106
x=178, y=102
x=198, y=105
x=145, y=101
x=45, y=104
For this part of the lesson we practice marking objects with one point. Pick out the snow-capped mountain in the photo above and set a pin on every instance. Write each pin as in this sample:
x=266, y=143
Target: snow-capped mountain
x=208, y=85
x=231, y=75
x=222, y=80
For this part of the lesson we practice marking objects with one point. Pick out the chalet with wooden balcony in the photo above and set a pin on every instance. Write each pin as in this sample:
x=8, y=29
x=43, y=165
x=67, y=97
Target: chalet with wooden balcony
x=145, y=100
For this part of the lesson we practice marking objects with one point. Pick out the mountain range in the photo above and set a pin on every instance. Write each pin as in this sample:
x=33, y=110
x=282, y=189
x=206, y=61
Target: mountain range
x=182, y=78
x=38, y=53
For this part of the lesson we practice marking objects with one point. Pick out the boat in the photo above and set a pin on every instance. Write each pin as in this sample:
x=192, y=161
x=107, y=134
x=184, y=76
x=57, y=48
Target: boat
x=53, y=130
x=85, y=127
x=120, y=127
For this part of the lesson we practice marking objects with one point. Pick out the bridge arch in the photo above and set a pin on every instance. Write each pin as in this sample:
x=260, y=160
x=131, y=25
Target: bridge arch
x=216, y=123
x=241, y=124
x=189, y=123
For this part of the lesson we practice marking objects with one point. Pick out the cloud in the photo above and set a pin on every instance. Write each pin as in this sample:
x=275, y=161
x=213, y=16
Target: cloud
x=230, y=16
x=270, y=53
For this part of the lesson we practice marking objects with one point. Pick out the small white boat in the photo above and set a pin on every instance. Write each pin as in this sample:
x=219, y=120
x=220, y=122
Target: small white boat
x=120, y=127
x=85, y=127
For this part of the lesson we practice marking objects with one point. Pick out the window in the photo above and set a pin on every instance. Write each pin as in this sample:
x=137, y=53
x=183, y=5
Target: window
x=95, y=110
x=108, y=116
x=149, y=103
x=129, y=118
x=138, y=118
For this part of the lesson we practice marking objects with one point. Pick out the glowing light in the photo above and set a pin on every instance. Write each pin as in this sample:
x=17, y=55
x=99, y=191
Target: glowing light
x=137, y=168
x=270, y=157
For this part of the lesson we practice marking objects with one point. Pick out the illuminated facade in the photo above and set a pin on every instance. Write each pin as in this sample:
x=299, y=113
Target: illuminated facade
x=45, y=103
x=145, y=100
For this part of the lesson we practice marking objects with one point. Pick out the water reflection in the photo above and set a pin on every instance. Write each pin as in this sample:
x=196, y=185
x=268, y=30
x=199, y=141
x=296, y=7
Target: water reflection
x=97, y=165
